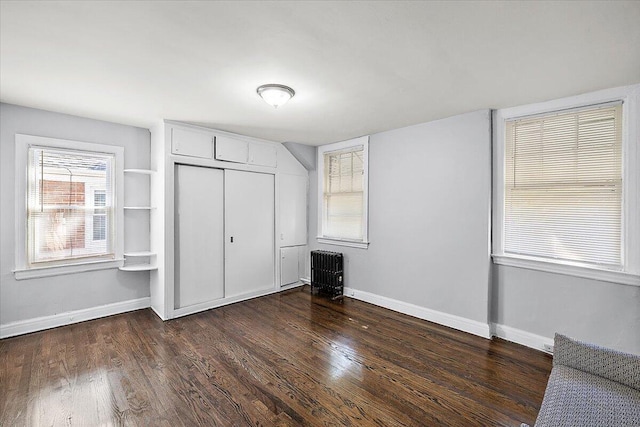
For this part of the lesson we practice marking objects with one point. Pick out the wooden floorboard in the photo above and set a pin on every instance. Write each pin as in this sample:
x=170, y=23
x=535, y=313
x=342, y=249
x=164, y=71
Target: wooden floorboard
x=289, y=359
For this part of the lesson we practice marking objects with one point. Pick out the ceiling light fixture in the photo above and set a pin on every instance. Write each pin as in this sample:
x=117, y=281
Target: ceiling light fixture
x=275, y=95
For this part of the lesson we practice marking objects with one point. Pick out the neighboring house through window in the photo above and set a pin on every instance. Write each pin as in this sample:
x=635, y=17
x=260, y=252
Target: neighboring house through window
x=70, y=214
x=343, y=192
x=99, y=220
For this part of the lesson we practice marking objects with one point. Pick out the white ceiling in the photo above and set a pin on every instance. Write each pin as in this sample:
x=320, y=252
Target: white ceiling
x=357, y=67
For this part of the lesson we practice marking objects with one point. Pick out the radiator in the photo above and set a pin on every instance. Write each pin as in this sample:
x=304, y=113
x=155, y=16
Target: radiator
x=327, y=273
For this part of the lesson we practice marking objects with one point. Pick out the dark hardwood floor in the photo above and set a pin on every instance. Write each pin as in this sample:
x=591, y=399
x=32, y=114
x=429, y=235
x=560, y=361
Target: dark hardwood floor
x=288, y=359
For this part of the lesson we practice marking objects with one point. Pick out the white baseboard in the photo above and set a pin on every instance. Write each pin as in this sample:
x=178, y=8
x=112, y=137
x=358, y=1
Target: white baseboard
x=70, y=317
x=456, y=322
x=525, y=338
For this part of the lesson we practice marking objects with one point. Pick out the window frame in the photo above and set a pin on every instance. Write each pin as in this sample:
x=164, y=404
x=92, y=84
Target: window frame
x=362, y=141
x=630, y=233
x=22, y=269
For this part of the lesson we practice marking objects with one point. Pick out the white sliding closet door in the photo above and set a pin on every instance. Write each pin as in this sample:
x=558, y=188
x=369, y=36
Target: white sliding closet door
x=199, y=238
x=249, y=229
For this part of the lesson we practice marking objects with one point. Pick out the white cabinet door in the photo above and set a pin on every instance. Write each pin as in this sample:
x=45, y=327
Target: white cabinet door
x=249, y=231
x=191, y=143
x=263, y=155
x=293, y=210
x=231, y=149
x=199, y=235
x=289, y=265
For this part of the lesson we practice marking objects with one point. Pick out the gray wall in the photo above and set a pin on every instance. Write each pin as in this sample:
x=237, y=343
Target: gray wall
x=27, y=299
x=305, y=154
x=429, y=207
x=543, y=303
x=429, y=228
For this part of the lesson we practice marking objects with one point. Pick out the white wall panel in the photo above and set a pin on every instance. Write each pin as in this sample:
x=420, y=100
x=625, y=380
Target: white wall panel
x=293, y=210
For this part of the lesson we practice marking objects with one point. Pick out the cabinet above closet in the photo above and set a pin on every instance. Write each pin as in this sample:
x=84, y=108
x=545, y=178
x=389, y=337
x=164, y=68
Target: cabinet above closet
x=209, y=145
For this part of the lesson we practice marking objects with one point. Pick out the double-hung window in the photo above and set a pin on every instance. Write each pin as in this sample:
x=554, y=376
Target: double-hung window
x=568, y=190
x=69, y=211
x=343, y=192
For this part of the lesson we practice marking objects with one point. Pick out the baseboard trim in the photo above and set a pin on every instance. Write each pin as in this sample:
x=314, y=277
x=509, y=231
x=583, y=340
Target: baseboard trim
x=525, y=338
x=70, y=317
x=456, y=322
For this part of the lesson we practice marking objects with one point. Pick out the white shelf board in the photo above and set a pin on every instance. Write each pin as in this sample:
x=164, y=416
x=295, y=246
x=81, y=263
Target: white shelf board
x=139, y=254
x=140, y=171
x=139, y=267
x=139, y=207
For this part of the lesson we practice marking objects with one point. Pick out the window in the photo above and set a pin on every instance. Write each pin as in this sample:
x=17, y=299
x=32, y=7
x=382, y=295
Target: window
x=565, y=199
x=70, y=213
x=343, y=194
x=563, y=186
x=99, y=220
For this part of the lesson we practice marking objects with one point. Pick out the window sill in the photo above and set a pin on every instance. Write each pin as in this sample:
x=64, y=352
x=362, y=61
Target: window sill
x=33, y=273
x=568, y=269
x=338, y=242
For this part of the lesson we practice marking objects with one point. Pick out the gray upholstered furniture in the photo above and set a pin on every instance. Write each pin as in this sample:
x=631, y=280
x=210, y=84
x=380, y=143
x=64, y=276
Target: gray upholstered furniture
x=591, y=386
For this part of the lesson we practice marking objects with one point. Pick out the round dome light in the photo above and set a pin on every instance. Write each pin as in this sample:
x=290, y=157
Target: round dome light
x=275, y=94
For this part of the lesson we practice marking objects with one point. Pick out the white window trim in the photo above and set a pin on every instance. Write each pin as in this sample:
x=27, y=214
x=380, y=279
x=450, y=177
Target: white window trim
x=22, y=269
x=339, y=146
x=630, y=96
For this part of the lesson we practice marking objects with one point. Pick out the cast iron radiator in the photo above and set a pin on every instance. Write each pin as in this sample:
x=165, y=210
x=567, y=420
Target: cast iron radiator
x=327, y=273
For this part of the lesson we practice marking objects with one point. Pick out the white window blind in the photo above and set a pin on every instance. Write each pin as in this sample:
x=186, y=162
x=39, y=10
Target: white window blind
x=563, y=186
x=70, y=205
x=343, y=215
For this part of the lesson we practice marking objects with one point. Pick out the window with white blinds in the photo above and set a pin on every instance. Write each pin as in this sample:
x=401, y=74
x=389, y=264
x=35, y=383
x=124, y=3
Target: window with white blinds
x=343, y=191
x=70, y=205
x=563, y=186
x=343, y=195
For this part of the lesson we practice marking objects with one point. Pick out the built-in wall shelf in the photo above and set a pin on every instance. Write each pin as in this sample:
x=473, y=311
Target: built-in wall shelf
x=151, y=264
x=140, y=171
x=139, y=254
x=139, y=267
x=137, y=186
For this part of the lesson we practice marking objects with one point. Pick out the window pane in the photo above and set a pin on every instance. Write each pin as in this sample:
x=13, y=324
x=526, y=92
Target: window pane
x=99, y=227
x=343, y=197
x=344, y=216
x=563, y=186
x=69, y=205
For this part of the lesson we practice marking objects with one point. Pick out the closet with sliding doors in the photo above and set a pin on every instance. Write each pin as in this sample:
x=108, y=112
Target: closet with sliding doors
x=226, y=218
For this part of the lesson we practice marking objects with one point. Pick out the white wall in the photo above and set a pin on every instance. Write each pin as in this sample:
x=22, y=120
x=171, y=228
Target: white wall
x=429, y=215
x=25, y=300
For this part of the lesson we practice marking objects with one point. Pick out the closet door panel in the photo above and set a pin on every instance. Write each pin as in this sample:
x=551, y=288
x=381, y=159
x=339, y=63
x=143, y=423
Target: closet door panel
x=289, y=268
x=249, y=229
x=199, y=235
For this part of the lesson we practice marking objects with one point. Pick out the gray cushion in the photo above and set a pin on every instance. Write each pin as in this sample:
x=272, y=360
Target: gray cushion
x=591, y=386
x=580, y=399
x=611, y=364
